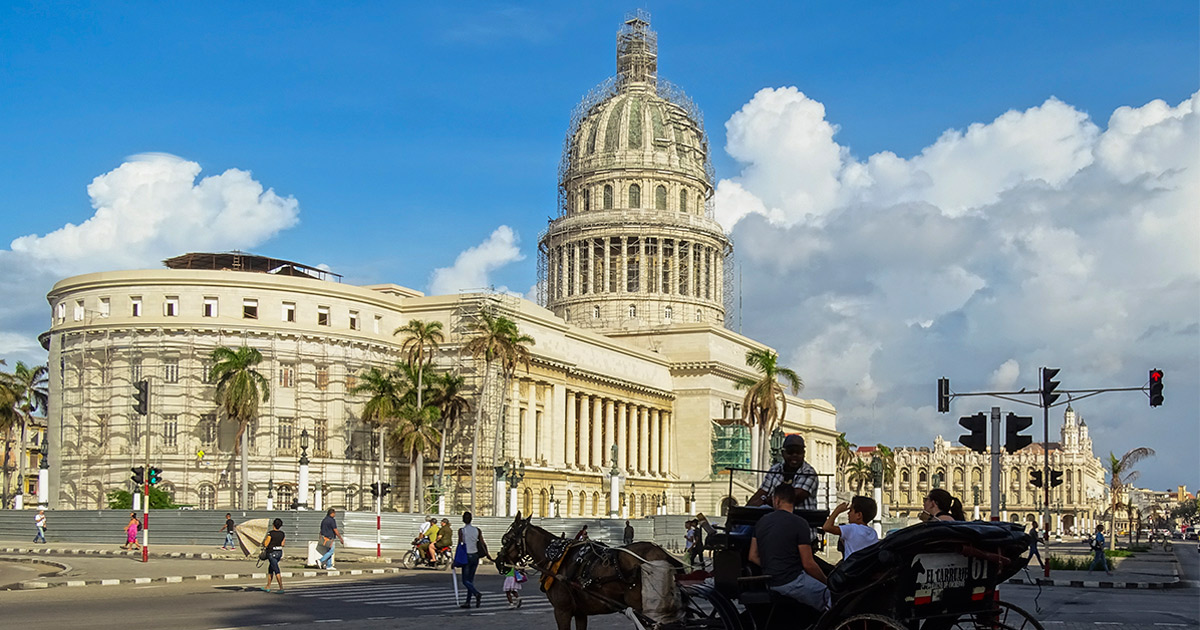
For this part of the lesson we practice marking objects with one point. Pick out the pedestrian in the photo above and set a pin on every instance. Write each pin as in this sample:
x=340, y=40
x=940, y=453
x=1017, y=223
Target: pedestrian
x=513, y=578
x=131, y=530
x=273, y=543
x=229, y=529
x=39, y=521
x=582, y=534
x=689, y=538
x=696, y=554
x=857, y=533
x=1098, y=549
x=628, y=533
x=472, y=539
x=329, y=535
x=1033, y=545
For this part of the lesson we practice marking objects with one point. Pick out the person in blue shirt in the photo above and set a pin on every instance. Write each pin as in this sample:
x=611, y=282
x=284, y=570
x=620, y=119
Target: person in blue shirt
x=1098, y=547
x=329, y=534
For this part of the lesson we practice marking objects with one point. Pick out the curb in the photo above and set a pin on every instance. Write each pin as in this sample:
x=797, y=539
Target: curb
x=45, y=551
x=58, y=565
x=1176, y=583
x=30, y=584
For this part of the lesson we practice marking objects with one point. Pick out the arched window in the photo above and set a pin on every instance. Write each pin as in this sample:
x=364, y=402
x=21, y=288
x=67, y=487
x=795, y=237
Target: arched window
x=667, y=313
x=660, y=198
x=608, y=197
x=587, y=200
x=208, y=497
x=285, y=496
x=635, y=196
x=596, y=312
x=683, y=200
x=904, y=476
x=699, y=315
x=632, y=311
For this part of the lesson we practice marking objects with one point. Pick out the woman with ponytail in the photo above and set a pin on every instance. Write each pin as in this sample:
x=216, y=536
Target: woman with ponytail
x=942, y=506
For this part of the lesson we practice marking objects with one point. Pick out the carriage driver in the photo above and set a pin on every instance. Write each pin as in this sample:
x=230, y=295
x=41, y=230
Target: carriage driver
x=794, y=471
x=782, y=546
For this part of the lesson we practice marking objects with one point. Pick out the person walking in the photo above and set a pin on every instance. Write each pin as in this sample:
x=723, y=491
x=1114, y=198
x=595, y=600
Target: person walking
x=131, y=530
x=39, y=521
x=628, y=537
x=695, y=555
x=472, y=539
x=1033, y=546
x=273, y=543
x=329, y=535
x=229, y=528
x=1098, y=549
x=513, y=578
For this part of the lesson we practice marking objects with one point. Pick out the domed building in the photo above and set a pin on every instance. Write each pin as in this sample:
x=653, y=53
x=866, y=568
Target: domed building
x=631, y=375
x=635, y=245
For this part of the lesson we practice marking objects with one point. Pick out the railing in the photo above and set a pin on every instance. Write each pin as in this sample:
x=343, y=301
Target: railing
x=826, y=492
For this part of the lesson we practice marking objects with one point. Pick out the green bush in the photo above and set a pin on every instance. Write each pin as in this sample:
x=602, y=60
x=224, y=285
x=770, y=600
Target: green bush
x=1081, y=563
x=123, y=500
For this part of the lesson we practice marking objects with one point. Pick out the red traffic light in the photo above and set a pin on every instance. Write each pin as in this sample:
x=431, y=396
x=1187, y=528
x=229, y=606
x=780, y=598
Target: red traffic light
x=1156, y=388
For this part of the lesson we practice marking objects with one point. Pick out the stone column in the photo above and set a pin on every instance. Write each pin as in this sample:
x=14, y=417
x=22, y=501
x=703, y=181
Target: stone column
x=585, y=432
x=643, y=439
x=597, y=420
x=654, y=442
x=609, y=426
x=623, y=260
x=668, y=443
x=622, y=435
x=573, y=287
x=570, y=425
x=553, y=435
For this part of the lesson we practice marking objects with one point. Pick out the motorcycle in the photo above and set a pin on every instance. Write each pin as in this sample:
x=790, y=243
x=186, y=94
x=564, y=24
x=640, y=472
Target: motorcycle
x=418, y=558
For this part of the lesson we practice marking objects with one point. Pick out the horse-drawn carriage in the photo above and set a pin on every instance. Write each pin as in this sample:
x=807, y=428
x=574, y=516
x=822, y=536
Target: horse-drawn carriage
x=932, y=576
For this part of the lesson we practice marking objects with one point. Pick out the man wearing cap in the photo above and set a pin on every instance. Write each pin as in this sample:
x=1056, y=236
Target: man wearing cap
x=793, y=470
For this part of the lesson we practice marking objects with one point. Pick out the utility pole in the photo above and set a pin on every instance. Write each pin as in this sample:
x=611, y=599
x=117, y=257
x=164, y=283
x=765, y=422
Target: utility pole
x=995, y=464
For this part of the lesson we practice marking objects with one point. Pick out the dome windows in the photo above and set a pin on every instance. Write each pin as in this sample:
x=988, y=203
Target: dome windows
x=683, y=200
x=608, y=196
x=635, y=196
x=660, y=198
x=632, y=311
x=586, y=198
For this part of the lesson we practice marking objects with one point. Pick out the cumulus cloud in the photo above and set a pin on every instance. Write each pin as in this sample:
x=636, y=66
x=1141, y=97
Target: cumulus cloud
x=473, y=266
x=147, y=209
x=1037, y=238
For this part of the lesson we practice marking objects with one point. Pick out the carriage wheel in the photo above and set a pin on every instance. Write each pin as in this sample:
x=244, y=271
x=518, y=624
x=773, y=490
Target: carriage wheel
x=1006, y=617
x=869, y=622
x=705, y=607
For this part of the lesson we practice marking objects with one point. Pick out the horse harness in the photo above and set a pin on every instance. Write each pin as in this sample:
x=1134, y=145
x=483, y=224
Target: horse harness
x=582, y=557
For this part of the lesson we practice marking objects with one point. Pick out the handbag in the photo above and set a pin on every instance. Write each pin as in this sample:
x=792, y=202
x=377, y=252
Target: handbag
x=520, y=577
x=460, y=555
x=262, y=555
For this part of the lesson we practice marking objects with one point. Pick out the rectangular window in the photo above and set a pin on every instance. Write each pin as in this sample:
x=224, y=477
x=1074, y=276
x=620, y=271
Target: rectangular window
x=208, y=429
x=210, y=307
x=289, y=312
x=105, y=307
x=170, y=429
x=60, y=312
x=135, y=307
x=206, y=372
x=322, y=377
x=351, y=379
x=171, y=370
x=249, y=308
x=322, y=315
x=135, y=369
x=78, y=314
x=286, y=427
x=171, y=307
x=353, y=320
x=320, y=436
x=287, y=375
x=378, y=321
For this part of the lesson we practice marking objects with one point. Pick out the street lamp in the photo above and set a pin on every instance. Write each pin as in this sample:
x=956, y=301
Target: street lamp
x=662, y=504
x=776, y=445
x=614, y=484
x=513, y=474
x=692, y=501
x=302, y=500
x=552, y=508
x=271, y=494
x=877, y=485
x=44, y=476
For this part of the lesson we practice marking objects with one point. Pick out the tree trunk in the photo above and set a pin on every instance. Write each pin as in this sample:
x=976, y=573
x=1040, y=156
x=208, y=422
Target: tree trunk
x=7, y=456
x=441, y=477
x=22, y=455
x=475, y=439
x=421, y=419
x=504, y=384
x=421, y=482
x=244, y=481
x=412, y=484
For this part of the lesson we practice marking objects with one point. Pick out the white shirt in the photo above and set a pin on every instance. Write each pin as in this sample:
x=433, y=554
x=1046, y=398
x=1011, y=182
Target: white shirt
x=470, y=538
x=855, y=537
x=40, y=520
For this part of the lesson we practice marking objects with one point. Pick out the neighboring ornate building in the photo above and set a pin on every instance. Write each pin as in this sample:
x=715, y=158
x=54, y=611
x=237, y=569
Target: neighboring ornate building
x=631, y=350
x=1075, y=505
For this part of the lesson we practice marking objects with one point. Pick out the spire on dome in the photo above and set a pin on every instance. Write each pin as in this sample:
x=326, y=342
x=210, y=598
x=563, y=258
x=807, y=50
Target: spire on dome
x=637, y=50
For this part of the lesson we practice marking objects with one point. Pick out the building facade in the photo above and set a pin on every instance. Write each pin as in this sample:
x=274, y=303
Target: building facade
x=1075, y=506
x=643, y=391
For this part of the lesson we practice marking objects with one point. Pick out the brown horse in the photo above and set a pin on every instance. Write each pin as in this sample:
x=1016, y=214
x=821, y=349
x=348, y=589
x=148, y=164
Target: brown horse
x=580, y=578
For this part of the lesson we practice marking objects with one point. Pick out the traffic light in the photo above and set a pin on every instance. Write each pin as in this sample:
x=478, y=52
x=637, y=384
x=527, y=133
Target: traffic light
x=1156, y=385
x=1035, y=478
x=1013, y=425
x=385, y=488
x=1055, y=478
x=141, y=396
x=137, y=477
x=943, y=395
x=1049, y=385
x=155, y=475
x=375, y=489
x=977, y=439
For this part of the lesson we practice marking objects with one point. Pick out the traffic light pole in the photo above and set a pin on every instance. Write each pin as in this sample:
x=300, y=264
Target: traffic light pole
x=146, y=492
x=995, y=463
x=1046, y=482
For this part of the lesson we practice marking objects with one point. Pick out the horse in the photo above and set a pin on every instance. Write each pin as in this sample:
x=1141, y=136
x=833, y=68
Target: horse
x=580, y=578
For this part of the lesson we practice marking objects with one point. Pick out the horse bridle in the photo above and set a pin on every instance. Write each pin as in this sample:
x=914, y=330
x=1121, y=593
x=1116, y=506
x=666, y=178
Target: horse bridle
x=514, y=538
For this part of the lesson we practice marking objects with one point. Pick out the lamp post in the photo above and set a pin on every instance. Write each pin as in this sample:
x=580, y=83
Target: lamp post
x=551, y=508
x=19, y=497
x=302, y=500
x=692, y=501
x=513, y=474
x=975, y=496
x=877, y=484
x=614, y=485
x=662, y=503
x=777, y=445
x=44, y=476
x=271, y=494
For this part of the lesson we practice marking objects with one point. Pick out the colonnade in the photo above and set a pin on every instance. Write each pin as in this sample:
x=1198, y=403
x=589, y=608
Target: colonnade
x=632, y=264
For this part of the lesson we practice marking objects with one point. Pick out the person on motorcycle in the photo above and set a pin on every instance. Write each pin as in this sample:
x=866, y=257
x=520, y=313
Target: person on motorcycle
x=429, y=549
x=445, y=537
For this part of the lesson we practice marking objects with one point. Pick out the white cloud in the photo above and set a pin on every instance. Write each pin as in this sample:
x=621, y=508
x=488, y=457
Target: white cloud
x=147, y=209
x=472, y=267
x=1034, y=239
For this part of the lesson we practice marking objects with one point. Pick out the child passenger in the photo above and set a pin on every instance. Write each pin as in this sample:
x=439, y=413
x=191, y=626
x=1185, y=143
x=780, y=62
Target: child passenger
x=512, y=586
x=858, y=533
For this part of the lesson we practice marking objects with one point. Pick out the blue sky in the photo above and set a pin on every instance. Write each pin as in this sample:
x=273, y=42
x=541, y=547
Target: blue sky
x=407, y=134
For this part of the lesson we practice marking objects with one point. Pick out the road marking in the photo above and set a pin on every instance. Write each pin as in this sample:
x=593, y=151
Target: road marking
x=326, y=620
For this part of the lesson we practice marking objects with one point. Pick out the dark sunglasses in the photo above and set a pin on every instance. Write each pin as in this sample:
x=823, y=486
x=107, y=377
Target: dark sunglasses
x=794, y=450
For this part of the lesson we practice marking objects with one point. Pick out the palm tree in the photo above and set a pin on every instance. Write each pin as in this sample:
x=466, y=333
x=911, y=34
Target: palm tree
x=887, y=457
x=383, y=407
x=8, y=420
x=496, y=338
x=1122, y=475
x=845, y=454
x=30, y=394
x=859, y=474
x=421, y=341
x=446, y=394
x=239, y=387
x=415, y=435
x=765, y=403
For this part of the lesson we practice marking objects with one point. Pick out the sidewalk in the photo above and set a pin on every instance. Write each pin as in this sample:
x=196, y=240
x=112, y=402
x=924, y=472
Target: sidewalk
x=83, y=564
x=1146, y=570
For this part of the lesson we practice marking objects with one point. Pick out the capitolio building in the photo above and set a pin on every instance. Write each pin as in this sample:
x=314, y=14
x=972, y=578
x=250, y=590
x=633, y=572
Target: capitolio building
x=630, y=384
